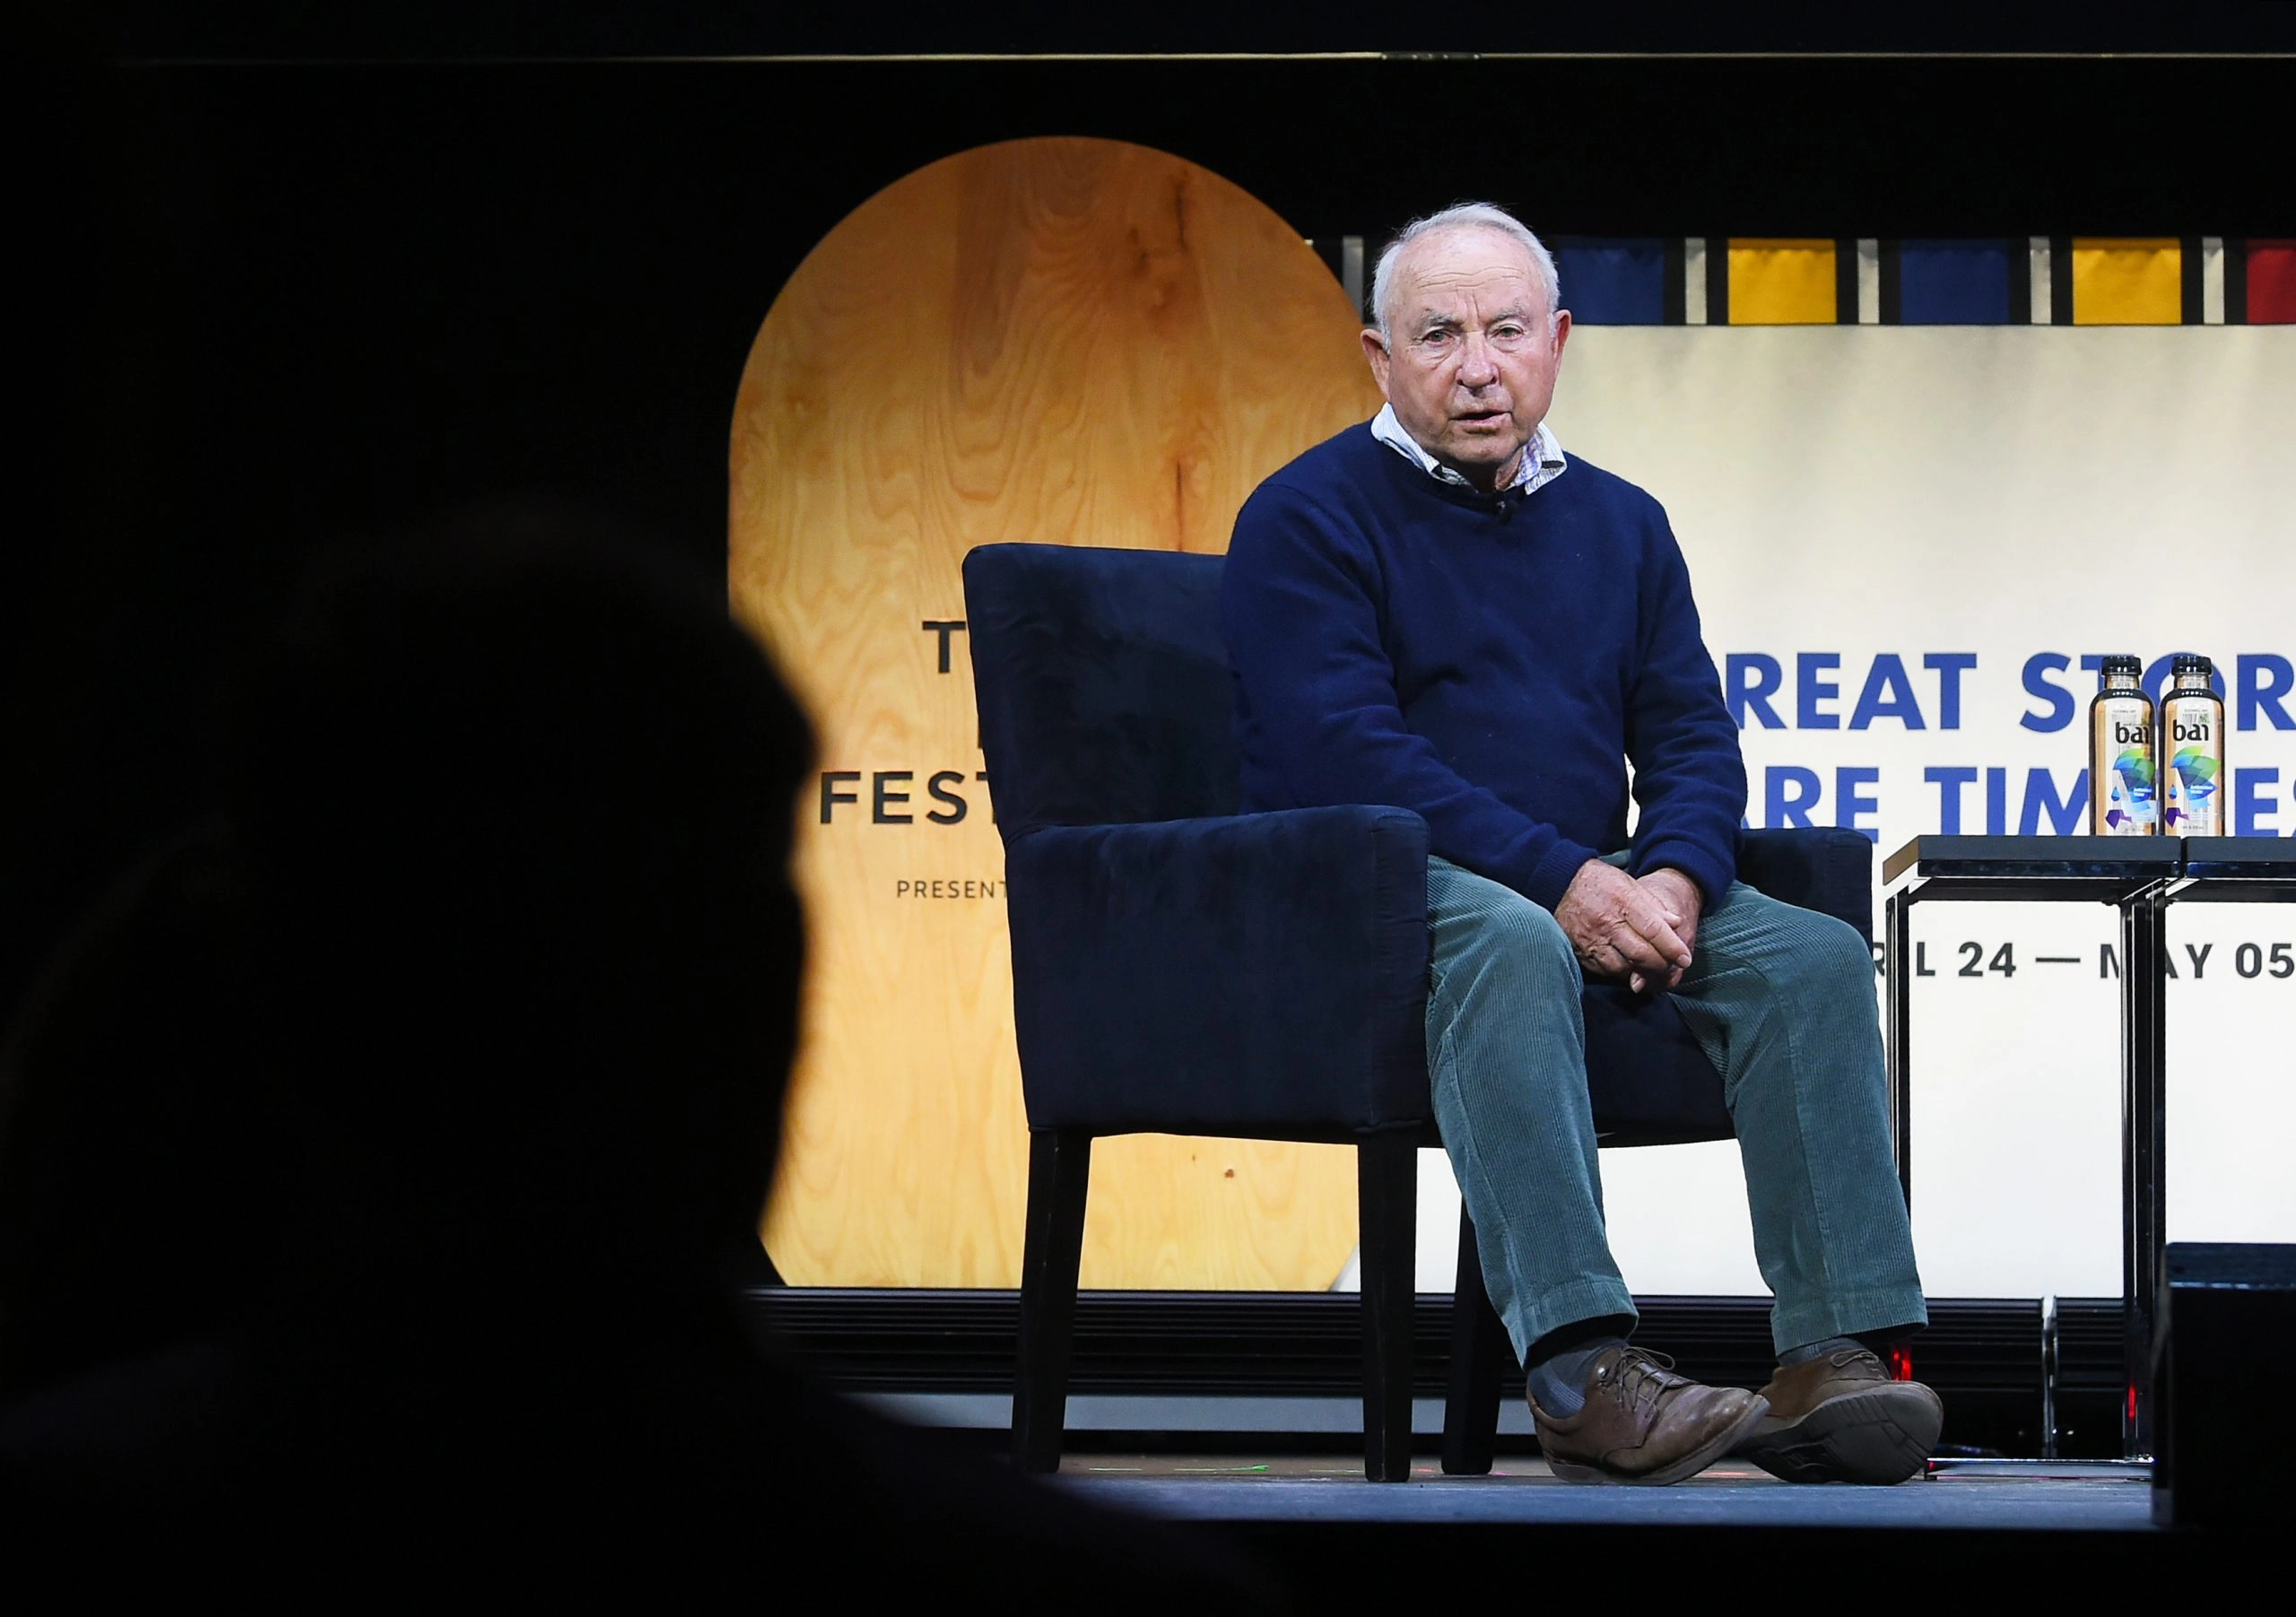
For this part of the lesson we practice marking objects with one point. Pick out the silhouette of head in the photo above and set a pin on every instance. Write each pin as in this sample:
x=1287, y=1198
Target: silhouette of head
x=514, y=801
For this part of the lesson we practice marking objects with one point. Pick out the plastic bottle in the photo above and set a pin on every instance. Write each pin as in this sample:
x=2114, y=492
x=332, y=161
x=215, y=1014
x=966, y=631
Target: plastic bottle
x=2192, y=750
x=2121, y=777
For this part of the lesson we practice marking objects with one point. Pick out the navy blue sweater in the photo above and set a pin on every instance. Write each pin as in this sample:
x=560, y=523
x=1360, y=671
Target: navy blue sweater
x=1490, y=663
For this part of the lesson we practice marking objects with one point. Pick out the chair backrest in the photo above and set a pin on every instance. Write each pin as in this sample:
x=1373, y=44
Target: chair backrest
x=1102, y=684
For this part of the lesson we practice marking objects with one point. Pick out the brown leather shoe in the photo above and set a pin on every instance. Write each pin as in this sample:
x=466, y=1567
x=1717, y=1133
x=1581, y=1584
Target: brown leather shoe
x=1839, y=1418
x=1643, y=1423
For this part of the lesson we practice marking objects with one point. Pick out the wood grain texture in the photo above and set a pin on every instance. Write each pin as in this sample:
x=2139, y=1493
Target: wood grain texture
x=1076, y=342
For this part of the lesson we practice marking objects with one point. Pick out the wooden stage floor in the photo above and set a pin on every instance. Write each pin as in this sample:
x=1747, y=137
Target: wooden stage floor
x=1334, y=1536
x=2072, y=1497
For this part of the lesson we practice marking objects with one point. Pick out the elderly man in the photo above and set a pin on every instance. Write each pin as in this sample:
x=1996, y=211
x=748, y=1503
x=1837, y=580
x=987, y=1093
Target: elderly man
x=1441, y=610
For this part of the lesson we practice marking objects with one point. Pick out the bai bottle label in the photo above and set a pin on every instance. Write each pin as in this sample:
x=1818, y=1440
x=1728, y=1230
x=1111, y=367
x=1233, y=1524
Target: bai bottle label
x=2192, y=752
x=2122, y=778
x=2121, y=749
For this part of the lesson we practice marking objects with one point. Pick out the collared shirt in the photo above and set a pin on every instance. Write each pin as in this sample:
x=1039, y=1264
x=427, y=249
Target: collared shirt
x=1540, y=464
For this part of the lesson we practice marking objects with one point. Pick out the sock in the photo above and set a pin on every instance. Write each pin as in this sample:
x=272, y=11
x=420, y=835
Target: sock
x=1877, y=1343
x=1559, y=1362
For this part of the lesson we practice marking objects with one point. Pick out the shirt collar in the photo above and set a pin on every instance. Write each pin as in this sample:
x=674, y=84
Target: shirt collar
x=1543, y=459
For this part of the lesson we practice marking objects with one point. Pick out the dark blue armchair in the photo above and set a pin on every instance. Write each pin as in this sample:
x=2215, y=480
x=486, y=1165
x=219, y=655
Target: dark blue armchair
x=1179, y=968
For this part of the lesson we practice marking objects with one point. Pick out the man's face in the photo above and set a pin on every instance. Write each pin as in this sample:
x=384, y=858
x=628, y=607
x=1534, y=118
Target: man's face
x=1471, y=358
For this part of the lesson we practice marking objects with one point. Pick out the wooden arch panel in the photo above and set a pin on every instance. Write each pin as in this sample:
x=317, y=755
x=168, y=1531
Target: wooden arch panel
x=1077, y=342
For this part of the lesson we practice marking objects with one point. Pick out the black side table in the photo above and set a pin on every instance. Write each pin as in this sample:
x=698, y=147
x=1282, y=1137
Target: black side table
x=2136, y=875
x=2253, y=870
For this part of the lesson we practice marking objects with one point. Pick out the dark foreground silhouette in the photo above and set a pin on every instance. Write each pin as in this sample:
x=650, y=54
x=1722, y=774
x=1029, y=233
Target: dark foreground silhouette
x=481, y=1015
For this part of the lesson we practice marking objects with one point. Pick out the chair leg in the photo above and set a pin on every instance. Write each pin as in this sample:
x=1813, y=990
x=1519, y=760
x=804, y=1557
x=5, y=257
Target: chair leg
x=1479, y=1345
x=1060, y=1167
x=1386, y=1188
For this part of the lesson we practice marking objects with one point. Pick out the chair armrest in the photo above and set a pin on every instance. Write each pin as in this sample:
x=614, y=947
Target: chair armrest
x=1822, y=868
x=1244, y=974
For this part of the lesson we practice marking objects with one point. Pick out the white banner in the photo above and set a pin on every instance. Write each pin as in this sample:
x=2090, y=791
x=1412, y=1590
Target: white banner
x=1909, y=546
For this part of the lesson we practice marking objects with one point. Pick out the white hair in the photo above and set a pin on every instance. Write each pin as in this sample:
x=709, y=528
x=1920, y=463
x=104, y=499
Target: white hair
x=1478, y=215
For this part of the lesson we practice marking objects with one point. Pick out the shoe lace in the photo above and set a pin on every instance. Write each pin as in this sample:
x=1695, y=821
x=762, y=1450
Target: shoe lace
x=1635, y=1372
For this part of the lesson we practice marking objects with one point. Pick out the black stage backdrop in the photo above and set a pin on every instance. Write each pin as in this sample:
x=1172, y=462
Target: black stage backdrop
x=293, y=280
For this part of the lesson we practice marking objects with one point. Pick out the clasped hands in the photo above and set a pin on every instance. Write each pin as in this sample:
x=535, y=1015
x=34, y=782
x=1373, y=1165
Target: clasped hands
x=1638, y=928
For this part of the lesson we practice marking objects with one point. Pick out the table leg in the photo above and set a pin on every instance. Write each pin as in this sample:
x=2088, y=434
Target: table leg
x=2143, y=984
x=1897, y=960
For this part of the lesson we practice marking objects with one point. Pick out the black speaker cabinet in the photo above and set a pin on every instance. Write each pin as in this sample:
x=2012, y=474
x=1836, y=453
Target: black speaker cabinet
x=2224, y=1426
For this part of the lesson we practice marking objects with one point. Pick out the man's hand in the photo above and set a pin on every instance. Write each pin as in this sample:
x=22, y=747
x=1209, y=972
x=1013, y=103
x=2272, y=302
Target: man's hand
x=1678, y=895
x=1620, y=927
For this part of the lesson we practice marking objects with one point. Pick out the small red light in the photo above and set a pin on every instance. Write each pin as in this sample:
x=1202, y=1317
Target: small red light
x=1901, y=1365
x=2131, y=1402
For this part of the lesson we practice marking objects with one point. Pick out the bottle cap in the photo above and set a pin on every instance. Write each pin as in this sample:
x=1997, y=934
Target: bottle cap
x=2192, y=662
x=2122, y=662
